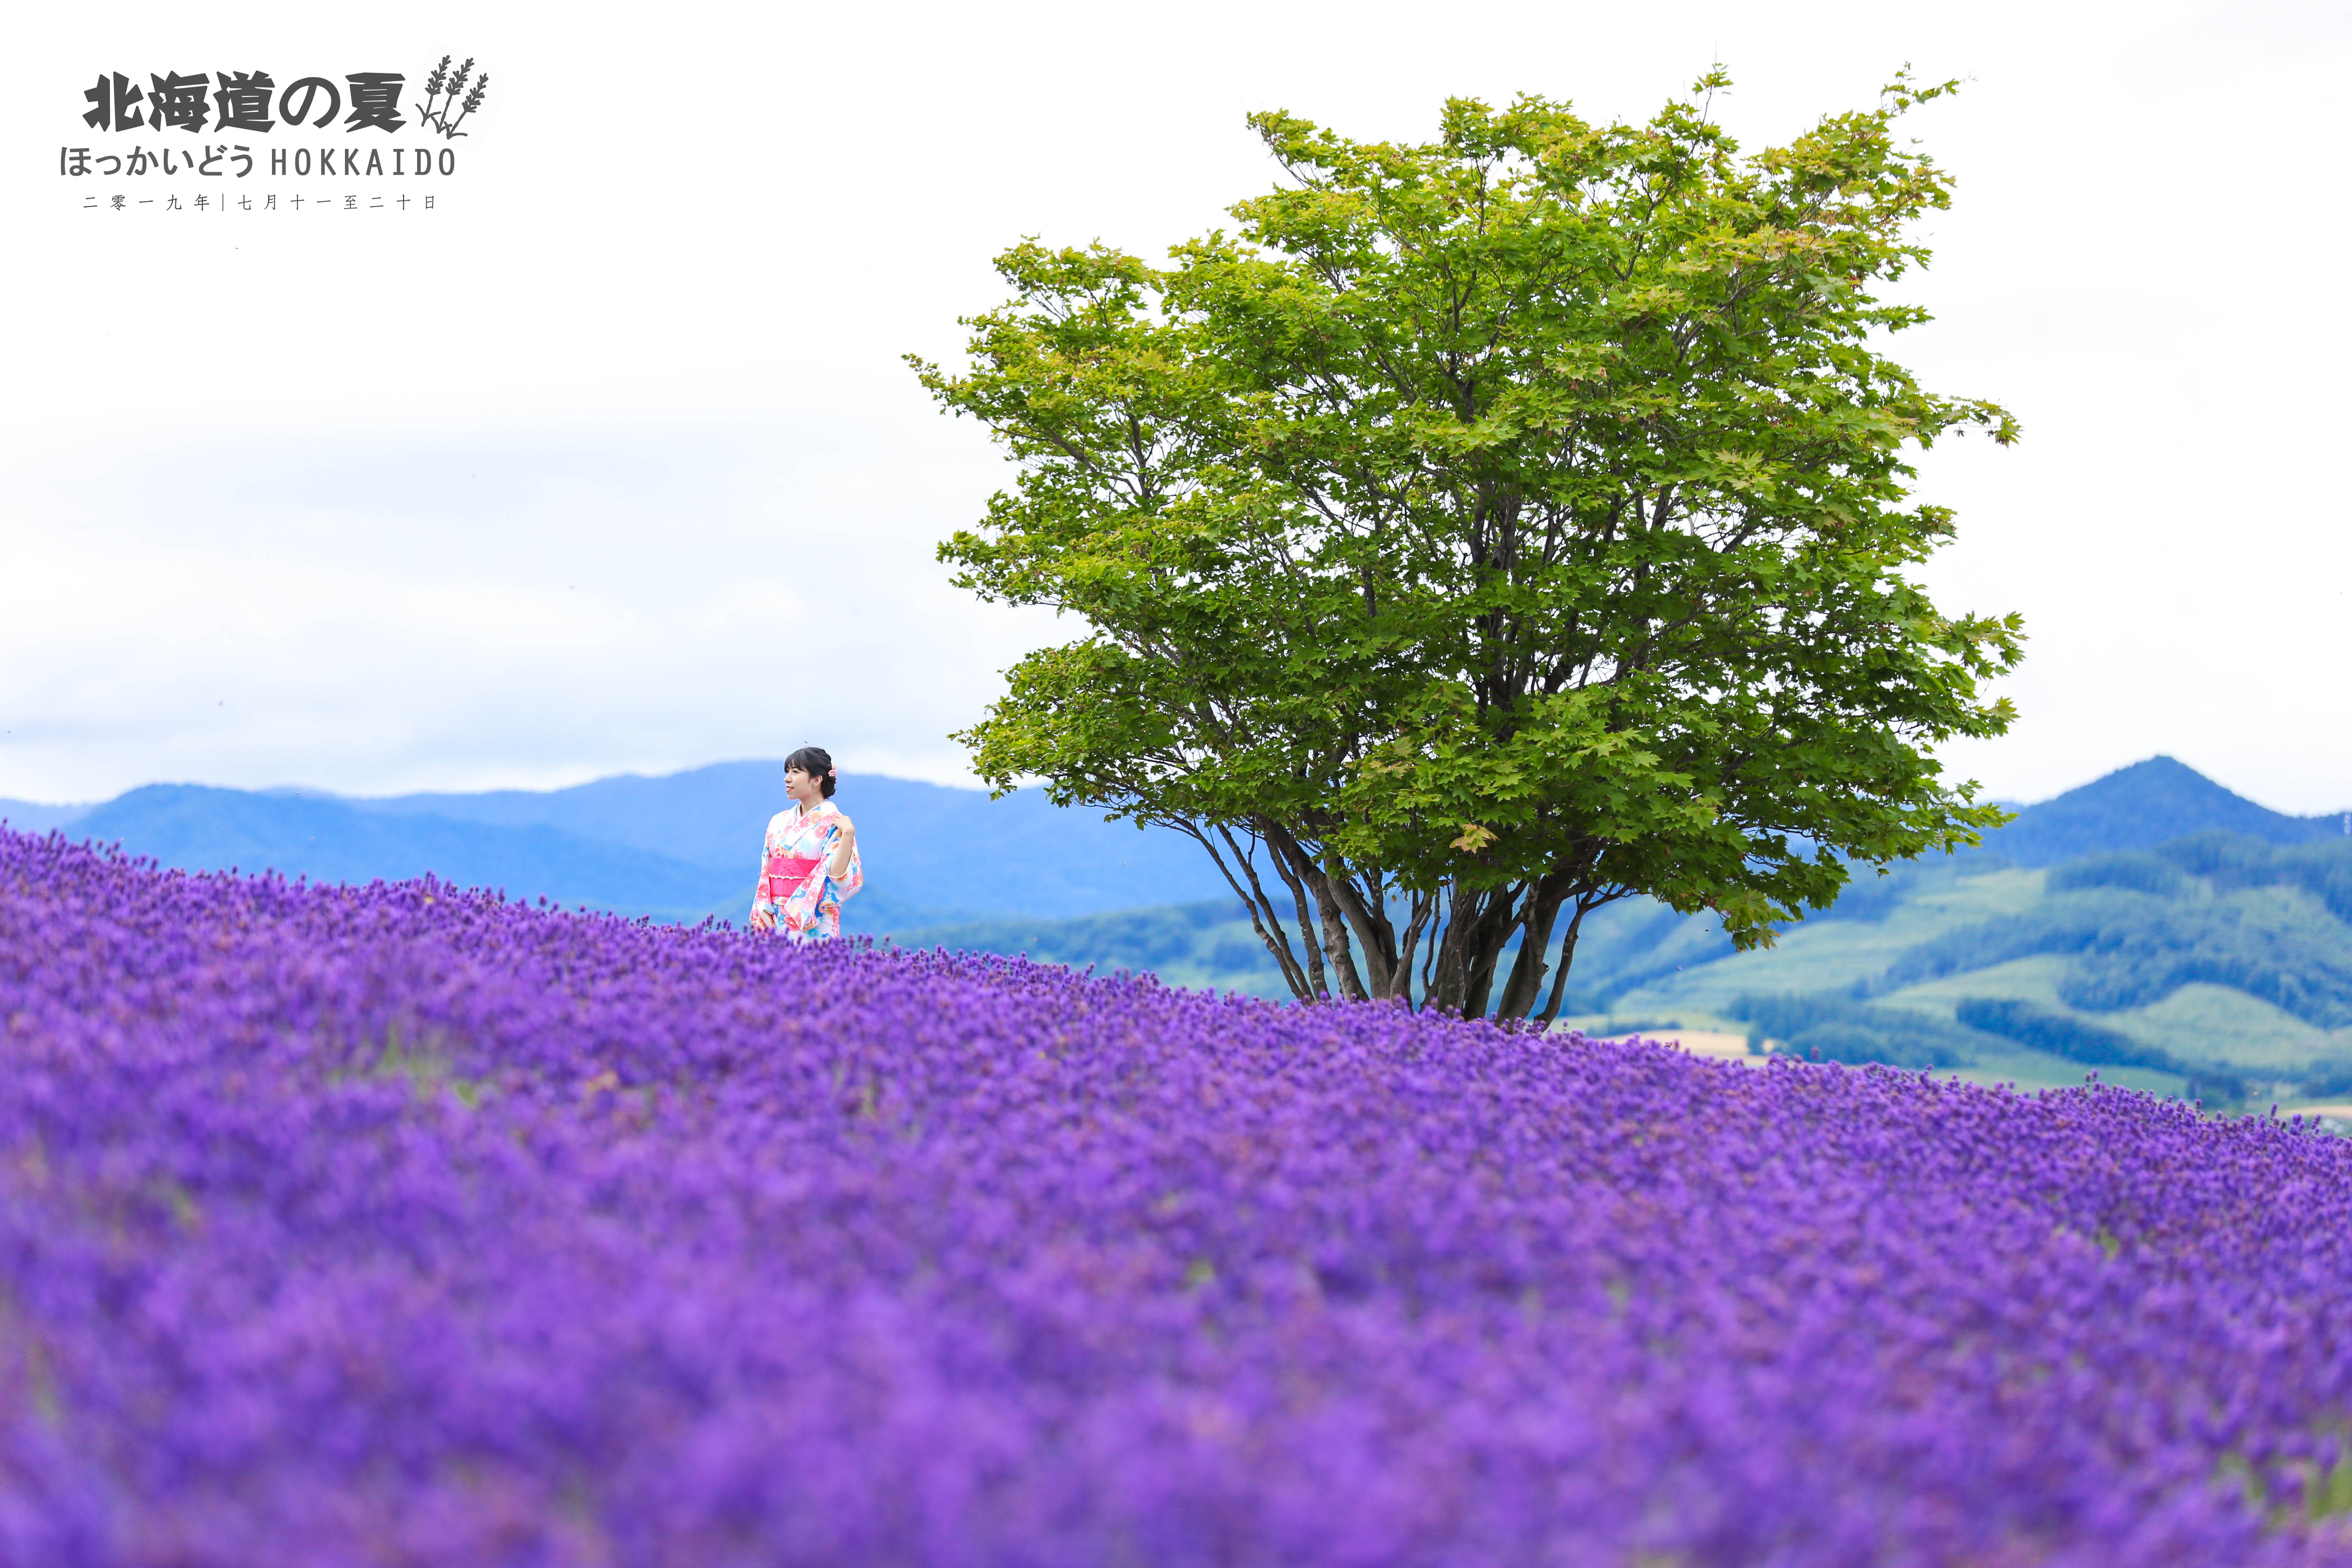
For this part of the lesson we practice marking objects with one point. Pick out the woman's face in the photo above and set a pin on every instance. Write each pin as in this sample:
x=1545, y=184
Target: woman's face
x=801, y=786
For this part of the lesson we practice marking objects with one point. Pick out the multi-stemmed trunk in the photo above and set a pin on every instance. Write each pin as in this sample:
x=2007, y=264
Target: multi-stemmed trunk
x=1344, y=932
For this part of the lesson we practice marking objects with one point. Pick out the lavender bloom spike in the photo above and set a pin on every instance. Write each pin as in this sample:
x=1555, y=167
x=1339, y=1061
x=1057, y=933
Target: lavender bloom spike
x=411, y=1224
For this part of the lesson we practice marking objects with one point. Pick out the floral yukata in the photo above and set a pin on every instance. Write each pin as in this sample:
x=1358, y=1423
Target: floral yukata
x=793, y=883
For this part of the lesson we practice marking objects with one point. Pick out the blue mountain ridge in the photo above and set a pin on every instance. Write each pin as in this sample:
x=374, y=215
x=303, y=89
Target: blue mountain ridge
x=676, y=847
x=941, y=848
x=2142, y=806
x=199, y=828
x=937, y=859
x=31, y=817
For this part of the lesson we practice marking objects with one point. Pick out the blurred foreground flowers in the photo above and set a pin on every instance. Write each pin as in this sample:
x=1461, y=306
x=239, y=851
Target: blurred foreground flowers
x=406, y=1225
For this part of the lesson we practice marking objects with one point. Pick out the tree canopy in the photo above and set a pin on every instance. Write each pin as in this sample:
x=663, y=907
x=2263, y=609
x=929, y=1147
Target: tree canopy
x=1489, y=530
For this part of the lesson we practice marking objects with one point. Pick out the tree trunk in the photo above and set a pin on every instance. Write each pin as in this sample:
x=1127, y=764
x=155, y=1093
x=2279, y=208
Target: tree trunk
x=1495, y=921
x=1339, y=912
x=1567, y=958
x=1264, y=917
x=1467, y=950
x=1525, y=986
x=1299, y=869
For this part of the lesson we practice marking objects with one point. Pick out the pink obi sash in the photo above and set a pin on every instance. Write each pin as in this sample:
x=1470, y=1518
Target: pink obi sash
x=786, y=873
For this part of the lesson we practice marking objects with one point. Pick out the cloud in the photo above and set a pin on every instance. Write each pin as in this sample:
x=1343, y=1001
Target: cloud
x=613, y=463
x=497, y=607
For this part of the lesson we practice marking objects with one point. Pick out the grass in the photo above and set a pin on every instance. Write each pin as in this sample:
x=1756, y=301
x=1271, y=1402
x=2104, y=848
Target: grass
x=2199, y=1022
x=1642, y=968
x=1837, y=954
x=2030, y=1069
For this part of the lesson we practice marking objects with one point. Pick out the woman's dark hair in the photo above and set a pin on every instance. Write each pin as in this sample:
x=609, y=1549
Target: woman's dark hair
x=815, y=761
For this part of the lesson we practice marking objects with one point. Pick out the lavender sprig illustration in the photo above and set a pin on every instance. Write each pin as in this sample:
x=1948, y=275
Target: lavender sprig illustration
x=451, y=111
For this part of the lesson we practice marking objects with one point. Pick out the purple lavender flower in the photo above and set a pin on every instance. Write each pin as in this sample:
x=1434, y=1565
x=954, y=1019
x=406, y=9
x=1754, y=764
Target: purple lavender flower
x=404, y=1223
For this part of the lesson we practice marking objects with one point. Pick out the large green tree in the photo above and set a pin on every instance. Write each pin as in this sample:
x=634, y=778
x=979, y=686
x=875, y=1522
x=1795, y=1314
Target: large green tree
x=1490, y=530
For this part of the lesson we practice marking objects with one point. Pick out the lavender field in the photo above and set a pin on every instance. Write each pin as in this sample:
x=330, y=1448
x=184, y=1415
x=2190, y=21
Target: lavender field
x=407, y=1226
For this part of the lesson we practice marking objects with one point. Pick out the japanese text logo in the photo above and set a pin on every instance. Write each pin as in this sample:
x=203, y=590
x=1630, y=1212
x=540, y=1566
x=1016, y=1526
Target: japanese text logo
x=372, y=130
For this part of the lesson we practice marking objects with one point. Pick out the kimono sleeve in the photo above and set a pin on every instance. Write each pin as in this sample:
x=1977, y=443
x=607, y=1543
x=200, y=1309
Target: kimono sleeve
x=839, y=887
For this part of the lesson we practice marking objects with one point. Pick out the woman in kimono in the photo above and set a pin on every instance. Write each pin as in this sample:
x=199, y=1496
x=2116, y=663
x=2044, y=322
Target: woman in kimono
x=808, y=863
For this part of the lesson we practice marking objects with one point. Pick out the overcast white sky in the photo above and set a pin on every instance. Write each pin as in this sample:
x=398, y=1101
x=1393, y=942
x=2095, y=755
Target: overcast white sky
x=609, y=462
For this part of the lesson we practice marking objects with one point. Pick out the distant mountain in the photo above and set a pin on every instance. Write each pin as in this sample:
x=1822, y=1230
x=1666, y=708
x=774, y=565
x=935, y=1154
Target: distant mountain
x=2141, y=806
x=951, y=864
x=940, y=848
x=707, y=817
x=199, y=828
x=29, y=816
x=677, y=847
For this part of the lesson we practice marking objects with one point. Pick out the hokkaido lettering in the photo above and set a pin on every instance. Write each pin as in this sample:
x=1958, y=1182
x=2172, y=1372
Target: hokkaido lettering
x=237, y=160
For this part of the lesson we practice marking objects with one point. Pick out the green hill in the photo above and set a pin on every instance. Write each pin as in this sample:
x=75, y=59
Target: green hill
x=1209, y=945
x=2216, y=964
x=2169, y=956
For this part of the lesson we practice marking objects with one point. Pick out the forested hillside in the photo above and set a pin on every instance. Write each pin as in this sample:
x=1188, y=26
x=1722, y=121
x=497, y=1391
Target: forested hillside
x=2218, y=963
x=2215, y=965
